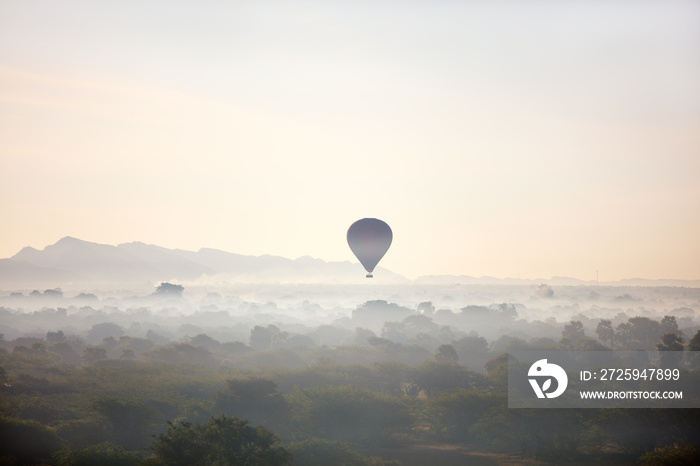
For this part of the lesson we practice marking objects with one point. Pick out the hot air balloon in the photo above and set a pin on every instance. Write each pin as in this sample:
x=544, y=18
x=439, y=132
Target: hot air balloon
x=369, y=239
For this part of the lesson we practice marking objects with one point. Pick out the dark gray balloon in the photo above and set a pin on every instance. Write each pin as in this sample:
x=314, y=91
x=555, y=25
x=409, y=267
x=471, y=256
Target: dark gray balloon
x=369, y=240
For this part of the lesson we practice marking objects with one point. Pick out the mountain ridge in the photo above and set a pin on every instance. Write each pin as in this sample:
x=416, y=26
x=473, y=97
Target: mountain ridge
x=74, y=261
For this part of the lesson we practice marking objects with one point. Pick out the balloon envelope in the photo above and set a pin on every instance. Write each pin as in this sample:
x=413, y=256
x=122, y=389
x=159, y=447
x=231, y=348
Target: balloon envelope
x=369, y=240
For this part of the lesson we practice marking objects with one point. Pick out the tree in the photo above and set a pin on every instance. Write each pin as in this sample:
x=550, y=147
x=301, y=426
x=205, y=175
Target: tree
x=38, y=349
x=494, y=365
x=391, y=378
x=26, y=442
x=223, y=440
x=99, y=332
x=382, y=344
x=168, y=289
x=644, y=333
x=67, y=353
x=544, y=291
x=623, y=335
x=55, y=293
x=55, y=337
x=506, y=311
x=669, y=350
x=420, y=324
x=670, y=456
x=590, y=344
x=446, y=353
x=128, y=354
x=434, y=376
x=104, y=454
x=497, y=370
x=265, y=338
x=605, y=332
x=571, y=335
x=183, y=353
x=669, y=325
x=92, y=354
x=254, y=398
x=350, y=414
x=472, y=351
x=638, y=333
x=426, y=308
x=205, y=341
x=454, y=412
x=131, y=422
x=324, y=335
x=362, y=336
x=694, y=345
x=373, y=314
x=394, y=331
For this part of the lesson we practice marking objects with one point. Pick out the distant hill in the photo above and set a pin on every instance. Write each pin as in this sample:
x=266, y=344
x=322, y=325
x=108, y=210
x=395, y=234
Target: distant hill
x=74, y=261
x=553, y=281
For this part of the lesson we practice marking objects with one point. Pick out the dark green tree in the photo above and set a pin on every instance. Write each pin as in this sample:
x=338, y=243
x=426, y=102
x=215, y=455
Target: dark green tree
x=453, y=413
x=670, y=350
x=131, y=423
x=26, y=442
x=671, y=456
x=67, y=353
x=472, y=351
x=497, y=370
x=605, y=332
x=436, y=376
x=350, y=414
x=221, y=441
x=644, y=333
x=99, y=332
x=694, y=345
x=572, y=334
x=669, y=325
x=55, y=337
x=254, y=398
x=623, y=335
x=92, y=354
x=446, y=353
x=103, y=454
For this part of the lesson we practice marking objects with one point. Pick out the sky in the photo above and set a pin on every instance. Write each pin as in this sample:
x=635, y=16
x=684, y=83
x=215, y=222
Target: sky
x=500, y=138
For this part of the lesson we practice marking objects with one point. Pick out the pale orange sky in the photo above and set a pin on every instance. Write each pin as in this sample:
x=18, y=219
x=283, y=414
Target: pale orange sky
x=496, y=138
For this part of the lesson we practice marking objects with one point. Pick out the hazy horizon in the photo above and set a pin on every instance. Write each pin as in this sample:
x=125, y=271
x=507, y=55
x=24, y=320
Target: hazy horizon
x=501, y=139
x=383, y=276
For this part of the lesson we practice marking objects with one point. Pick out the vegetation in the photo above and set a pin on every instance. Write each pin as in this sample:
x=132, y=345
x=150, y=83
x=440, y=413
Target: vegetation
x=280, y=400
x=222, y=440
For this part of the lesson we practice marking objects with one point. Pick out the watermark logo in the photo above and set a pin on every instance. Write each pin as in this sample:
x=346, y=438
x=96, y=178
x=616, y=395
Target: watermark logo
x=543, y=372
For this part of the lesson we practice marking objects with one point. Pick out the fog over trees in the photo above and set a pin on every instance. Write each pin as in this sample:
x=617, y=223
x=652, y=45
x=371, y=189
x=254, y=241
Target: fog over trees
x=363, y=374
